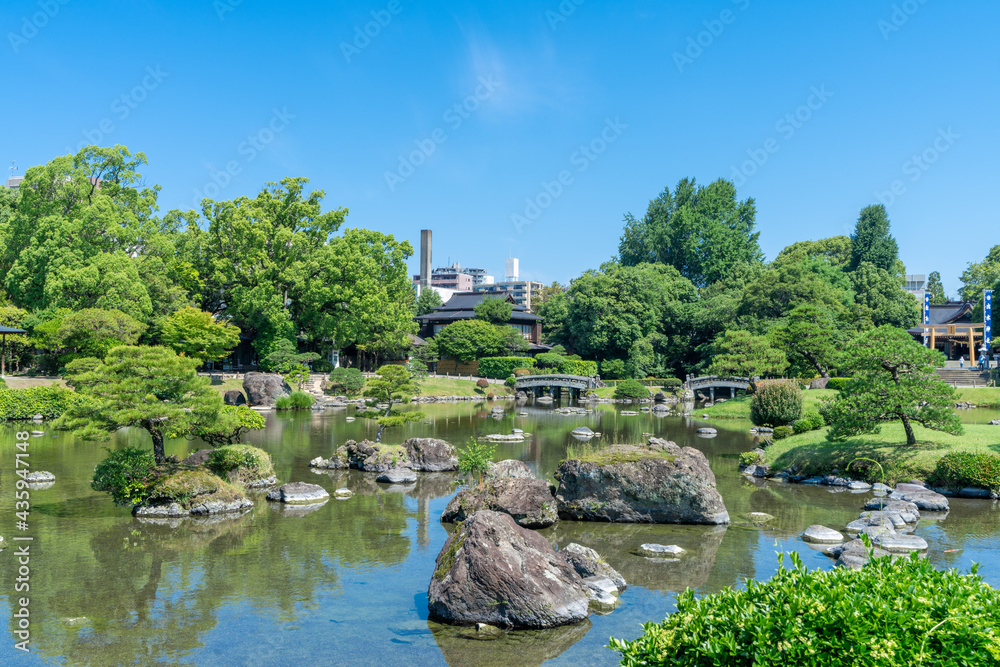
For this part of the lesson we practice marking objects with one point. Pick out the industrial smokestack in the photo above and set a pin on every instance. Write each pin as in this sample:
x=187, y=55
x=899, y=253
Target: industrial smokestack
x=425, y=258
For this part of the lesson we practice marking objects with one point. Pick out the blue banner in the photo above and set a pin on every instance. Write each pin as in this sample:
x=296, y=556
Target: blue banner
x=987, y=318
x=927, y=315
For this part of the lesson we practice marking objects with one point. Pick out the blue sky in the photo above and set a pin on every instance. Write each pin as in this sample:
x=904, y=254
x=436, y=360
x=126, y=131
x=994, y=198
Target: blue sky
x=461, y=117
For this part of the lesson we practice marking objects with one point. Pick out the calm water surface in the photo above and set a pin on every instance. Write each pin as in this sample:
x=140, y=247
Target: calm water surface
x=345, y=583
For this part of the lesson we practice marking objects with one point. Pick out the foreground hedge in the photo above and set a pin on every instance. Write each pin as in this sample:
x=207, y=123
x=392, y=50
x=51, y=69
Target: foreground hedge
x=50, y=402
x=499, y=368
x=902, y=613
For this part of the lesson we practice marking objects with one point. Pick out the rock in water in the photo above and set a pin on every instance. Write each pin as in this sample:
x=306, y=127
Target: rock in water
x=234, y=397
x=658, y=483
x=924, y=499
x=509, y=468
x=818, y=534
x=298, y=493
x=661, y=551
x=588, y=563
x=39, y=477
x=431, y=454
x=528, y=501
x=493, y=571
x=263, y=389
x=399, y=476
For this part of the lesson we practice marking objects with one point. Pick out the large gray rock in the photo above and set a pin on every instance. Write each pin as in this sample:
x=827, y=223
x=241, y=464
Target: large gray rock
x=298, y=493
x=657, y=483
x=493, y=571
x=199, y=507
x=528, y=501
x=923, y=498
x=398, y=476
x=431, y=454
x=367, y=456
x=263, y=389
x=234, y=397
x=901, y=543
x=509, y=468
x=853, y=554
x=819, y=383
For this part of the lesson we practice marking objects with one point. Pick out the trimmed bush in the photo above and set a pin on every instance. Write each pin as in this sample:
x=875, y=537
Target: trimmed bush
x=511, y=381
x=632, y=389
x=126, y=474
x=482, y=383
x=671, y=384
x=613, y=369
x=240, y=463
x=837, y=383
x=958, y=469
x=350, y=381
x=578, y=367
x=905, y=612
x=50, y=402
x=782, y=432
x=802, y=426
x=297, y=400
x=497, y=368
x=776, y=403
x=521, y=372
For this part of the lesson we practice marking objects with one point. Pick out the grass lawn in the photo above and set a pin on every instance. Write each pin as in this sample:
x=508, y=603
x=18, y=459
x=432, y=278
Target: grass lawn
x=455, y=387
x=739, y=407
x=25, y=381
x=984, y=397
x=812, y=454
x=227, y=384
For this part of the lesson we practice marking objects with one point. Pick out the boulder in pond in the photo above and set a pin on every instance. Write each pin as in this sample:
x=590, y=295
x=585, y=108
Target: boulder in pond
x=298, y=493
x=900, y=544
x=528, y=501
x=431, y=454
x=263, y=389
x=818, y=534
x=234, y=397
x=660, y=551
x=853, y=554
x=491, y=570
x=656, y=483
x=397, y=476
x=369, y=457
x=922, y=497
x=39, y=477
x=583, y=431
x=509, y=468
x=194, y=492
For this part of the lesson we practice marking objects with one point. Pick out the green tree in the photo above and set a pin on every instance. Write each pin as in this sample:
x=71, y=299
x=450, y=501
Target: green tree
x=494, y=310
x=348, y=380
x=871, y=241
x=811, y=333
x=18, y=347
x=428, y=300
x=835, y=250
x=981, y=276
x=740, y=353
x=883, y=298
x=151, y=388
x=422, y=356
x=196, y=334
x=706, y=233
x=935, y=288
x=893, y=379
x=467, y=340
x=287, y=360
x=390, y=384
x=229, y=426
x=794, y=279
x=94, y=332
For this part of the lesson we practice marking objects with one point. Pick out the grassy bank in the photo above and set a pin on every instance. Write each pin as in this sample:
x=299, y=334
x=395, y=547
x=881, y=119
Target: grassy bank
x=811, y=453
x=983, y=397
x=739, y=407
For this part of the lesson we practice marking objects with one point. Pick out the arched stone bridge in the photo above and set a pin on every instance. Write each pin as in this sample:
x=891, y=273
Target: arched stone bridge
x=537, y=383
x=713, y=382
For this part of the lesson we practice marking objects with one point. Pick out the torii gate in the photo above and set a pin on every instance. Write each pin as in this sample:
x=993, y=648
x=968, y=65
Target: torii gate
x=3, y=347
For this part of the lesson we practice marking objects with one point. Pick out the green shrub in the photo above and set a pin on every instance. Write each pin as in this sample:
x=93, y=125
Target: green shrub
x=548, y=360
x=782, y=432
x=126, y=474
x=350, y=381
x=240, y=463
x=297, y=400
x=578, y=367
x=631, y=389
x=322, y=366
x=671, y=384
x=511, y=381
x=888, y=613
x=802, y=426
x=958, y=469
x=776, y=403
x=837, y=383
x=184, y=486
x=613, y=369
x=498, y=368
x=50, y=402
x=475, y=459
x=750, y=458
x=482, y=383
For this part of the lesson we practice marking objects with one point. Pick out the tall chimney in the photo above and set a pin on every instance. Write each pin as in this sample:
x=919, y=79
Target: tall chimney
x=425, y=258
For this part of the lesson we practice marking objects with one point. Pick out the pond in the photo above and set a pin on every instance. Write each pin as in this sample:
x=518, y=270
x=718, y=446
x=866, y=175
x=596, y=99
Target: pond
x=346, y=583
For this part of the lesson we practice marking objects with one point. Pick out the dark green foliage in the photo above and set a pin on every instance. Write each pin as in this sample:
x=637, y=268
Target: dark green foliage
x=467, y=340
x=50, y=402
x=888, y=613
x=511, y=381
x=871, y=241
x=228, y=427
x=613, y=369
x=240, y=463
x=881, y=298
x=578, y=367
x=935, y=288
x=740, y=353
x=350, y=381
x=631, y=389
x=776, y=403
x=750, y=458
x=670, y=384
x=494, y=310
x=548, y=360
x=428, y=300
x=782, y=432
x=959, y=469
x=297, y=400
x=894, y=380
x=837, y=384
x=501, y=367
x=126, y=475
x=474, y=459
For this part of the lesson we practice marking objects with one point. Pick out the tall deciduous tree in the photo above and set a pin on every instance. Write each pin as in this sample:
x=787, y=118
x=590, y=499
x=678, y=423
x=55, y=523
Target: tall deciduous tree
x=706, y=233
x=981, y=276
x=883, y=298
x=813, y=334
x=494, y=310
x=93, y=331
x=151, y=388
x=893, y=380
x=742, y=354
x=871, y=241
x=935, y=288
x=196, y=334
x=467, y=340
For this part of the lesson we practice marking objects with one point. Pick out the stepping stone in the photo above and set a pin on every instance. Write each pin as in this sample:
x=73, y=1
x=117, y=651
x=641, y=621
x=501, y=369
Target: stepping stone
x=661, y=551
x=398, y=476
x=901, y=543
x=923, y=498
x=300, y=493
x=706, y=431
x=859, y=486
x=342, y=494
x=822, y=535
x=40, y=477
